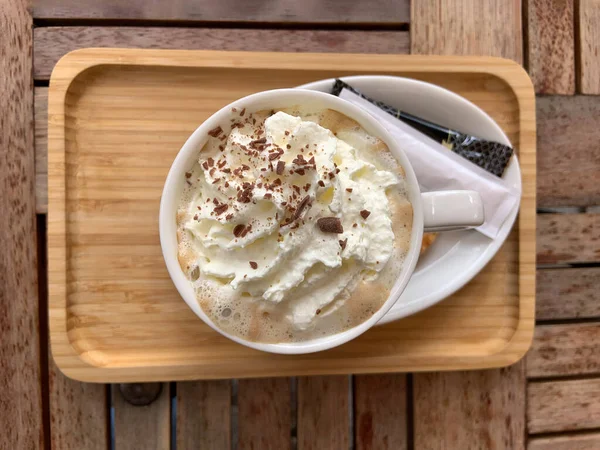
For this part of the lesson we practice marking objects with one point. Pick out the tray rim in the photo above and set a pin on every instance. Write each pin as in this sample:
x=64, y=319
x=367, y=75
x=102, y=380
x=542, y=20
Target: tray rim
x=73, y=64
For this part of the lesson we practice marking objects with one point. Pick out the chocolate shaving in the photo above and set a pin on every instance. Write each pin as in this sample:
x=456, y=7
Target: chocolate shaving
x=246, y=230
x=318, y=311
x=244, y=196
x=237, y=231
x=229, y=217
x=253, y=265
x=255, y=142
x=321, y=183
x=275, y=155
x=215, y=131
x=343, y=243
x=242, y=112
x=280, y=167
x=365, y=213
x=268, y=195
x=299, y=160
x=349, y=189
x=221, y=209
x=188, y=174
x=211, y=162
x=301, y=207
x=330, y=225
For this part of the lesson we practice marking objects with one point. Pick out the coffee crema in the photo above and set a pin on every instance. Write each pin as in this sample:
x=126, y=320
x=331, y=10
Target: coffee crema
x=292, y=225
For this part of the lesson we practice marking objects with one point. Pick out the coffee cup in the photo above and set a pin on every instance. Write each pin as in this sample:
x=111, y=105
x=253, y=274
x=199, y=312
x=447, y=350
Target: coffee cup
x=432, y=211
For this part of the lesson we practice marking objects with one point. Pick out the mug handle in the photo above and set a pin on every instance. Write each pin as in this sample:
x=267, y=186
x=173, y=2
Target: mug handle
x=452, y=210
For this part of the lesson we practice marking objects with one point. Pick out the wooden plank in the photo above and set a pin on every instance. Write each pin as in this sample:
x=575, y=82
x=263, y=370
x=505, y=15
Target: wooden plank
x=568, y=160
x=483, y=409
x=204, y=415
x=380, y=420
x=264, y=414
x=470, y=410
x=568, y=151
x=566, y=442
x=589, y=46
x=554, y=406
x=78, y=413
x=568, y=238
x=20, y=374
x=467, y=27
x=551, y=45
x=323, y=412
x=286, y=11
x=147, y=427
x=40, y=112
x=51, y=43
x=568, y=293
x=558, y=350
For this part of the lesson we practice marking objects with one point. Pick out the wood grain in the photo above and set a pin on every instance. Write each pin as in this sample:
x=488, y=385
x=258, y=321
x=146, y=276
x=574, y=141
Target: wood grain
x=589, y=46
x=204, y=415
x=560, y=350
x=144, y=427
x=582, y=242
x=264, y=414
x=323, y=418
x=380, y=416
x=568, y=293
x=555, y=406
x=470, y=410
x=110, y=194
x=467, y=27
x=551, y=45
x=568, y=151
x=586, y=441
x=568, y=157
x=78, y=413
x=40, y=112
x=53, y=43
x=20, y=388
x=284, y=11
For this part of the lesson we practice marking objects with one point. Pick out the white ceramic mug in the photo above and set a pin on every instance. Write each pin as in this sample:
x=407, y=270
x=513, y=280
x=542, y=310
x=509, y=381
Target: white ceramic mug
x=432, y=211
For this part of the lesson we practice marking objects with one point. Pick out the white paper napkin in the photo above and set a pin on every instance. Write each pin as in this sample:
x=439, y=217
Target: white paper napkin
x=439, y=169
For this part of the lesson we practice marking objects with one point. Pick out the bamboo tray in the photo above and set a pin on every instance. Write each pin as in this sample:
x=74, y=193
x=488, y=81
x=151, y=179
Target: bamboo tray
x=117, y=119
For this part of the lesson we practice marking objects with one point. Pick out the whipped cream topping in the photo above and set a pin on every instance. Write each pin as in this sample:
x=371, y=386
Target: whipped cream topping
x=282, y=214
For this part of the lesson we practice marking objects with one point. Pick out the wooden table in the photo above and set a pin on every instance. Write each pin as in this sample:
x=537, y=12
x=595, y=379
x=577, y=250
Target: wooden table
x=549, y=400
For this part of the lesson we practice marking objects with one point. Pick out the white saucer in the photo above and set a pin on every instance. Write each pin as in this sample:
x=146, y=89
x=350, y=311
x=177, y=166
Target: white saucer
x=455, y=257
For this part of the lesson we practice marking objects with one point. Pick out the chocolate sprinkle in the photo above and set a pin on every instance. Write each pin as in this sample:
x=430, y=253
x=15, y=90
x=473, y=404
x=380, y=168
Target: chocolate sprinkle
x=330, y=225
x=215, y=131
x=221, y=209
x=253, y=265
x=237, y=231
x=301, y=207
x=365, y=213
x=275, y=155
x=280, y=167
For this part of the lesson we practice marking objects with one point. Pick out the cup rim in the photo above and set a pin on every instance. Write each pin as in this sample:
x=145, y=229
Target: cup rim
x=187, y=155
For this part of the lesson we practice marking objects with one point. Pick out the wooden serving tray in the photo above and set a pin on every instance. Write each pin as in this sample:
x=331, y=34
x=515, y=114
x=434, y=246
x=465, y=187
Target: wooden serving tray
x=118, y=117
